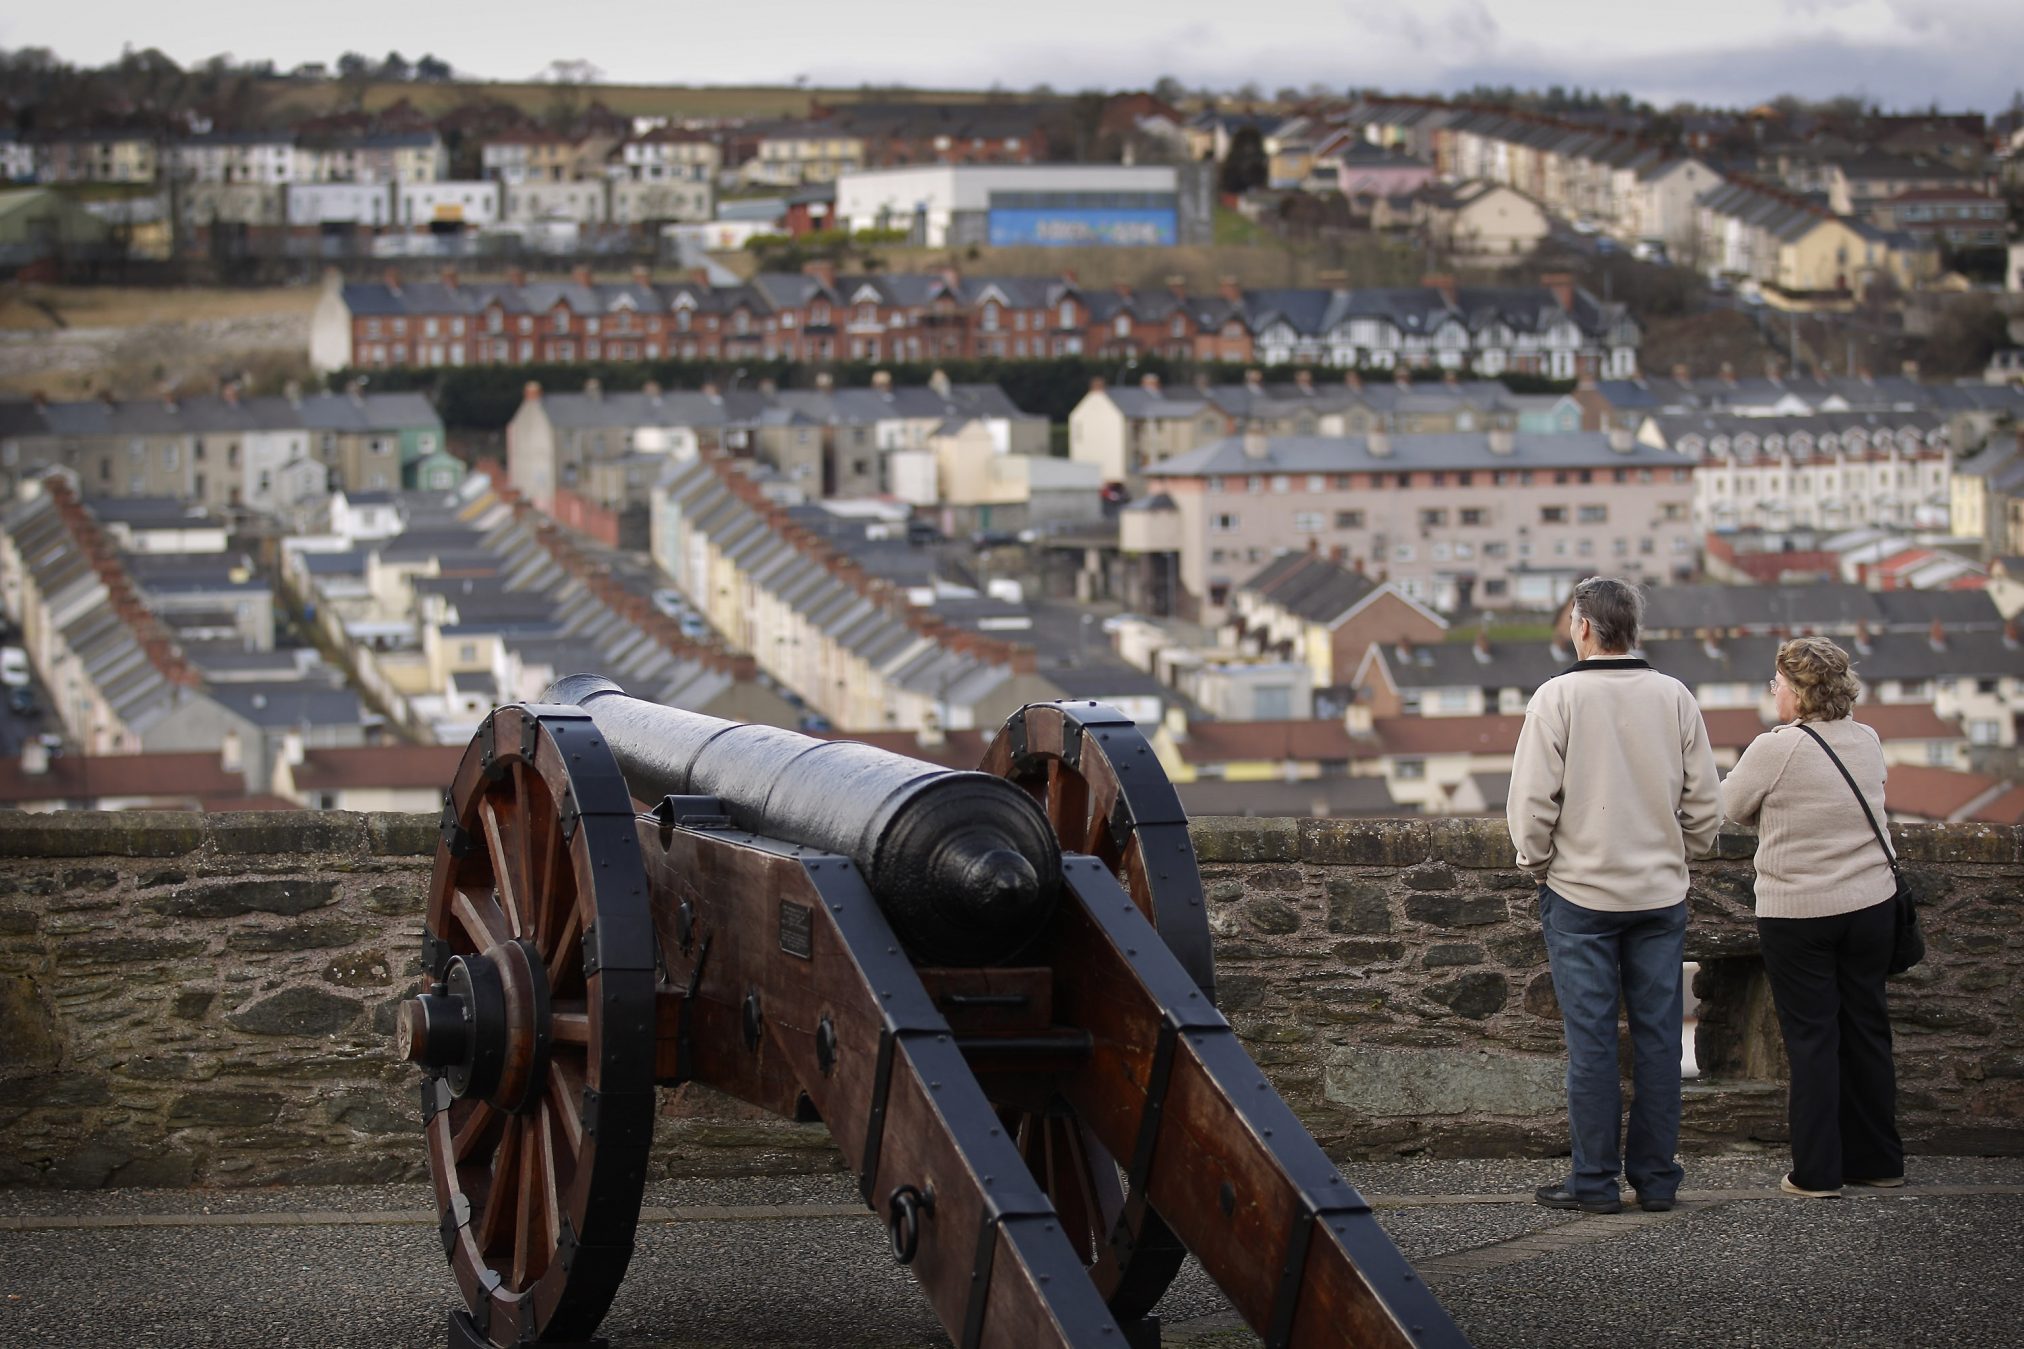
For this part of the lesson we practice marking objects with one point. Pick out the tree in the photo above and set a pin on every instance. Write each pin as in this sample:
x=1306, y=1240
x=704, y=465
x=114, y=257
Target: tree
x=396, y=68
x=432, y=71
x=1245, y=166
x=1169, y=90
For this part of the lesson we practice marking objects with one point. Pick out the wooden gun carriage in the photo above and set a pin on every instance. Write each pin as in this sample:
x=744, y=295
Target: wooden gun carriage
x=996, y=989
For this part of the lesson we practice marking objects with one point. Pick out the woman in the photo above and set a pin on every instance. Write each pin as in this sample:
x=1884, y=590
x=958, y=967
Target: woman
x=1824, y=920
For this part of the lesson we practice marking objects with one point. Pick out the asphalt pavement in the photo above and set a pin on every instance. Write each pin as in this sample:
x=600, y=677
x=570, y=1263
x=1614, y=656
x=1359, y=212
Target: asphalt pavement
x=796, y=1261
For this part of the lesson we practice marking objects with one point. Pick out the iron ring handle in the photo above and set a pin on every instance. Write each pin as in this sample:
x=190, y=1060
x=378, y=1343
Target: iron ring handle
x=903, y=1220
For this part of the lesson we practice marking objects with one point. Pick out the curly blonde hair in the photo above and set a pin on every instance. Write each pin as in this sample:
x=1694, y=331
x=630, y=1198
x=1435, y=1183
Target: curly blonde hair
x=1822, y=682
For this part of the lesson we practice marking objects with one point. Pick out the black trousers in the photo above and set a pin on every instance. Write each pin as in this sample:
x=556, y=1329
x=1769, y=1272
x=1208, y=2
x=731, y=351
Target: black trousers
x=1827, y=980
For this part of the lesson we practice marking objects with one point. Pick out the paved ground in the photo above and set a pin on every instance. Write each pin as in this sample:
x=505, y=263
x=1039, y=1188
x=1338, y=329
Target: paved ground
x=797, y=1261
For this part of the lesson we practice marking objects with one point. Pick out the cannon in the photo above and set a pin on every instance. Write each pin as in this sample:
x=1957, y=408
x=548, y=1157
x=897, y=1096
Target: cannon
x=995, y=988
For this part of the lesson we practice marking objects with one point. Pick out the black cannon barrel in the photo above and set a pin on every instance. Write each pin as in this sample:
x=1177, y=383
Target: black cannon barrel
x=964, y=865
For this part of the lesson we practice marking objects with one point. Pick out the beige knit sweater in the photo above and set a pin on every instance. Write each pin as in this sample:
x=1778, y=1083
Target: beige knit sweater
x=1613, y=788
x=1816, y=856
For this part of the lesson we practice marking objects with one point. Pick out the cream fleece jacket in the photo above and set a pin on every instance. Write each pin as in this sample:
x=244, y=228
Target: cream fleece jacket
x=1816, y=856
x=1613, y=786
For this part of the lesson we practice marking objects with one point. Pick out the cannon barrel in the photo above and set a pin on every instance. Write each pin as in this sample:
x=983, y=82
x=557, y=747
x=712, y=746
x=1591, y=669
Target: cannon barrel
x=964, y=865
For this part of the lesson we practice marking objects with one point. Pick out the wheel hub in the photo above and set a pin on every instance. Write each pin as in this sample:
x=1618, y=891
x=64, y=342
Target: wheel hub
x=486, y=1027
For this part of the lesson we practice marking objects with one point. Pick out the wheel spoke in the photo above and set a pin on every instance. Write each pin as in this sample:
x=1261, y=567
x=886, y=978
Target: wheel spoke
x=474, y=1132
x=495, y=1223
x=565, y=976
x=480, y=918
x=565, y=1094
x=551, y=875
x=531, y=1223
x=497, y=835
x=568, y=1024
x=1068, y=806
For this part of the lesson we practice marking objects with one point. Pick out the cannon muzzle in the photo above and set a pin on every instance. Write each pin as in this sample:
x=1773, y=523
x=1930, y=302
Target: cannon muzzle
x=964, y=865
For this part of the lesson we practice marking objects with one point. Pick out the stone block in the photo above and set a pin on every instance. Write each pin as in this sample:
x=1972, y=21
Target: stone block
x=300, y=936
x=397, y=834
x=1475, y=995
x=224, y=1109
x=286, y=895
x=1365, y=843
x=365, y=969
x=1454, y=953
x=1418, y=1083
x=16, y=922
x=1357, y=905
x=1237, y=992
x=399, y=901
x=372, y=1114
x=155, y=879
x=1357, y=954
x=1997, y=844
x=1273, y=916
x=293, y=832
x=139, y=952
x=1244, y=838
x=1429, y=877
x=1473, y=843
x=90, y=878
x=1456, y=910
x=296, y=1011
x=1524, y=949
x=1540, y=998
x=1223, y=889
x=81, y=833
x=60, y=1091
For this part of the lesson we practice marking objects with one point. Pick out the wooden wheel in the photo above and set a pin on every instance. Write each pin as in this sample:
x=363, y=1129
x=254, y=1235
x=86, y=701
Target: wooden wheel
x=536, y=1026
x=1106, y=795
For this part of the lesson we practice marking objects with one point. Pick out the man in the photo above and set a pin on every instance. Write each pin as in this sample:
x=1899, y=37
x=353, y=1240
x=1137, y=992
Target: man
x=1613, y=788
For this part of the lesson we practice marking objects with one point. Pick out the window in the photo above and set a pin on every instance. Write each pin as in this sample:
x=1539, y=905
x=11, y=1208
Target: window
x=1223, y=523
x=1308, y=522
x=1430, y=519
x=1410, y=769
x=467, y=651
x=1349, y=519
x=1593, y=515
x=1472, y=516
x=1553, y=515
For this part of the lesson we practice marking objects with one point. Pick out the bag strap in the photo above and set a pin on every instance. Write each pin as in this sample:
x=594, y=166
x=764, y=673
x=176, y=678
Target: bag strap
x=1860, y=799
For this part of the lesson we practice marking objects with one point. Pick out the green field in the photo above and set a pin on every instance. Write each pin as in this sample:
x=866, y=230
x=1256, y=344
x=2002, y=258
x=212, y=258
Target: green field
x=289, y=99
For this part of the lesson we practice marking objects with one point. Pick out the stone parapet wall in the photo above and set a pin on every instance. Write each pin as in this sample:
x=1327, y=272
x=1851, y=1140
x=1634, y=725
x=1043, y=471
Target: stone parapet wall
x=209, y=999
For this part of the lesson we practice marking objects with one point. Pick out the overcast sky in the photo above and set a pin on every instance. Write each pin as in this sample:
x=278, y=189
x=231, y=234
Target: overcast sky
x=1901, y=53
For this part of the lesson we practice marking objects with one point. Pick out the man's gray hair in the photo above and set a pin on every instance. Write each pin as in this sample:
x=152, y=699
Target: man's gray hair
x=1614, y=610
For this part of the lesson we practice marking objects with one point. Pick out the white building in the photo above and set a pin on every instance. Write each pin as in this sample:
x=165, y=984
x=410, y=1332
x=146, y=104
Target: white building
x=311, y=204
x=266, y=158
x=980, y=203
x=638, y=203
x=452, y=203
x=583, y=202
x=1828, y=471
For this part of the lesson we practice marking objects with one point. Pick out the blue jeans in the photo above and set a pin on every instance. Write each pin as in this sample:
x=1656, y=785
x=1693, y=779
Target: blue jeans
x=1597, y=955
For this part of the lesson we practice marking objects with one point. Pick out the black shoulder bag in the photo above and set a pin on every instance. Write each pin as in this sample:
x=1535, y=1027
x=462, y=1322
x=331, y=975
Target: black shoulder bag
x=1908, y=945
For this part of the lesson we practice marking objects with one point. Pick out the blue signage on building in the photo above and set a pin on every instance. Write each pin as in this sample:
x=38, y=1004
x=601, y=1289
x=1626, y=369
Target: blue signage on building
x=1071, y=227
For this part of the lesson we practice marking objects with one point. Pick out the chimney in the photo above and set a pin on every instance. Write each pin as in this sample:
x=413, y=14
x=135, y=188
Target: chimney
x=355, y=391
x=1444, y=282
x=292, y=391
x=1937, y=636
x=449, y=277
x=710, y=391
x=1911, y=369
x=1483, y=647
x=1774, y=369
x=1451, y=379
x=1710, y=645
x=1681, y=373
x=938, y=380
x=594, y=388
x=825, y=382
x=1177, y=286
x=1562, y=286
x=882, y=380
x=1728, y=374
x=652, y=389
x=1621, y=440
x=1303, y=380
x=699, y=277
x=1352, y=380
x=1227, y=287
x=769, y=385
x=516, y=276
x=1503, y=440
x=230, y=393
x=1379, y=444
x=392, y=277
x=1150, y=383
x=1861, y=637
x=231, y=757
x=1401, y=376
x=1254, y=380
x=822, y=270
x=34, y=757
x=580, y=274
x=40, y=399
x=1256, y=446
x=1096, y=384
x=531, y=391
x=643, y=276
x=2011, y=635
x=1068, y=277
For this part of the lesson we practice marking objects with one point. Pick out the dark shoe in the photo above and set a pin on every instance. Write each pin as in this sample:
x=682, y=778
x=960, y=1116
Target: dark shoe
x=1655, y=1204
x=1559, y=1196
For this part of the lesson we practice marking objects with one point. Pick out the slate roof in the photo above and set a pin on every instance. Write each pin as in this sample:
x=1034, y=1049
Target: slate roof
x=1441, y=450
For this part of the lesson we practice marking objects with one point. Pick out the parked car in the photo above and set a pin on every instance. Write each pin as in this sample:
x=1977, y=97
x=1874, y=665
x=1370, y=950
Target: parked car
x=670, y=602
x=21, y=698
x=1650, y=250
x=13, y=666
x=1585, y=225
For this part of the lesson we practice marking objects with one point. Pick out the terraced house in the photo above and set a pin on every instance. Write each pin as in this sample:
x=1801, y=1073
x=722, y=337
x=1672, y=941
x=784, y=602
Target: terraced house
x=1553, y=329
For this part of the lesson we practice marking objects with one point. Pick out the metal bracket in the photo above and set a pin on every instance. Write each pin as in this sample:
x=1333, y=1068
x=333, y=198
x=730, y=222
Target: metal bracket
x=875, y=1118
x=435, y=955
x=692, y=812
x=592, y=959
x=1279, y=1331
x=455, y=837
x=1158, y=1078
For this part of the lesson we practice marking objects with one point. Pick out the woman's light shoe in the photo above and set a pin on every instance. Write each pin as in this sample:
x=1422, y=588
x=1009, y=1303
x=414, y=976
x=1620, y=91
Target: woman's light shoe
x=1789, y=1187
